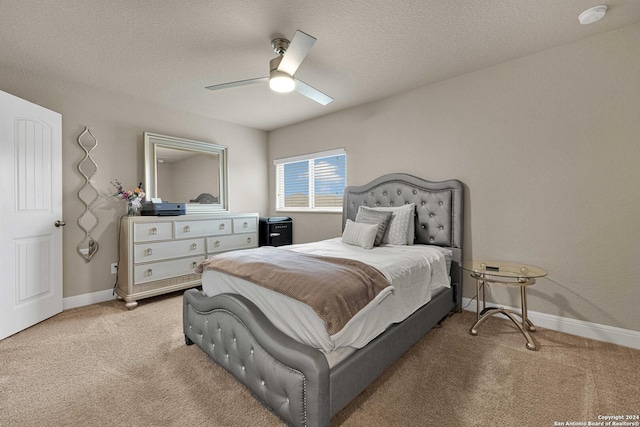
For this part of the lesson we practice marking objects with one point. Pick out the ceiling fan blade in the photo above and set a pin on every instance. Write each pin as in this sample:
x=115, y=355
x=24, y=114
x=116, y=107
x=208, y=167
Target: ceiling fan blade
x=312, y=93
x=238, y=83
x=298, y=49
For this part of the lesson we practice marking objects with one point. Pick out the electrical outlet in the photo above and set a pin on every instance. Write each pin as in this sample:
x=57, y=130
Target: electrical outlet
x=114, y=268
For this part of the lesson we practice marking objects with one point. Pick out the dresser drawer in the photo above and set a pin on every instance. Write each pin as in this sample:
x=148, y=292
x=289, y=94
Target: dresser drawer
x=152, y=231
x=186, y=229
x=163, y=270
x=233, y=242
x=160, y=254
x=245, y=225
x=147, y=252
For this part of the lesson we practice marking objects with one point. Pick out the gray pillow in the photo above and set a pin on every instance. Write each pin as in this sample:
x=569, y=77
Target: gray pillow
x=370, y=216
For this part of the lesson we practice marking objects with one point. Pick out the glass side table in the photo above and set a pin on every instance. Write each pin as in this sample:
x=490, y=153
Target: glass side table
x=508, y=274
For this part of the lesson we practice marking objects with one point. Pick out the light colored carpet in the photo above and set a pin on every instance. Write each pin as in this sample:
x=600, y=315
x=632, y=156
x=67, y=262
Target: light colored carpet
x=102, y=365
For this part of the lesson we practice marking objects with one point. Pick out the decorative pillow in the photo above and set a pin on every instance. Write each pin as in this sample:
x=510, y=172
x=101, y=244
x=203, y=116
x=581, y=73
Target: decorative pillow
x=401, y=228
x=359, y=234
x=371, y=216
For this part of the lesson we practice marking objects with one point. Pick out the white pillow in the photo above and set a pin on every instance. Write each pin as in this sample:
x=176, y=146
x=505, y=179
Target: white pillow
x=401, y=229
x=359, y=234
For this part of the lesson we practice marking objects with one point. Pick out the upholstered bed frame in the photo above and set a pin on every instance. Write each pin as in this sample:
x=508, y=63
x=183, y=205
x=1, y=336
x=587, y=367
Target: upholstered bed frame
x=293, y=379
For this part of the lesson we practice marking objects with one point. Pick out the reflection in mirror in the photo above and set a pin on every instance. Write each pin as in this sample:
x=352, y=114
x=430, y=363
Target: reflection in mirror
x=183, y=171
x=186, y=175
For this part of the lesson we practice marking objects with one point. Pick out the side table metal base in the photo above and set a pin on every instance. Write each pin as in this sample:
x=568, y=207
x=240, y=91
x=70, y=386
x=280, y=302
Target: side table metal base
x=525, y=326
x=506, y=274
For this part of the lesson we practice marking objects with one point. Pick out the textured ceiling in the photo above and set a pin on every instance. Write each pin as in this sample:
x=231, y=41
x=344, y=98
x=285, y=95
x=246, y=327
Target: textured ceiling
x=166, y=52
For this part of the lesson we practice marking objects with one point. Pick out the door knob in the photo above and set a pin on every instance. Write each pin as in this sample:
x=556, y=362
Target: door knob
x=59, y=223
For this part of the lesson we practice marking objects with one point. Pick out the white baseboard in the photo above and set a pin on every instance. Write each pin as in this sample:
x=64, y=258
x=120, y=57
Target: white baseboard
x=87, y=299
x=595, y=331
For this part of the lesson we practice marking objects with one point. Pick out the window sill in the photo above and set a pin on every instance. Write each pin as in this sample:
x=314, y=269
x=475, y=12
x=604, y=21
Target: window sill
x=335, y=211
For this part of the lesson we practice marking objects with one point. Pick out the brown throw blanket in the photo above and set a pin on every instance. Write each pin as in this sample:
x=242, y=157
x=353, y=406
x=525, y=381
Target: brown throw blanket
x=335, y=288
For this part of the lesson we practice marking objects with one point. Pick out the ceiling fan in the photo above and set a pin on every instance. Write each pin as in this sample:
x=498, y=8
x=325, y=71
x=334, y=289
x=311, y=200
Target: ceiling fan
x=283, y=67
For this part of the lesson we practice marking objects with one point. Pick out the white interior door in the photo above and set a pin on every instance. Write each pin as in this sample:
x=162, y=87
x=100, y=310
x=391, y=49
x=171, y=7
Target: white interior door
x=31, y=188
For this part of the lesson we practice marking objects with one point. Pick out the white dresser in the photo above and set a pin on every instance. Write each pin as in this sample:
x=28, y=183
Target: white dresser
x=159, y=254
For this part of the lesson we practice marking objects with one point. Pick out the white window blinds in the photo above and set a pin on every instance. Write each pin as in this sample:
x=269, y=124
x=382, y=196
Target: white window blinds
x=312, y=181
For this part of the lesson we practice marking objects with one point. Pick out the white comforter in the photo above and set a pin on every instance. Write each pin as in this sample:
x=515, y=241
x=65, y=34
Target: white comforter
x=413, y=271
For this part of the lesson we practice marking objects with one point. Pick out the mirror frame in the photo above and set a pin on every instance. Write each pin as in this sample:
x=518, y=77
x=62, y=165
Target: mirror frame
x=152, y=140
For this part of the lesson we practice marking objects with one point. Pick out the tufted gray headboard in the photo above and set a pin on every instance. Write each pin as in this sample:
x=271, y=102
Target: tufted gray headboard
x=439, y=205
x=439, y=212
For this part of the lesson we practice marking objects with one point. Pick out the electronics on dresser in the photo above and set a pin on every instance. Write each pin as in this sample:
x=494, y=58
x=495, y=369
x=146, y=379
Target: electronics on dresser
x=276, y=231
x=162, y=209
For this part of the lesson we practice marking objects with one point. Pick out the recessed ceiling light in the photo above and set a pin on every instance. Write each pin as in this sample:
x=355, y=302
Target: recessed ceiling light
x=592, y=15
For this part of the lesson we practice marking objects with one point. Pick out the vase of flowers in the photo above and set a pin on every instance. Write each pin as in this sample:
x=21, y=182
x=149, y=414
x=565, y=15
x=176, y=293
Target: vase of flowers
x=133, y=197
x=132, y=210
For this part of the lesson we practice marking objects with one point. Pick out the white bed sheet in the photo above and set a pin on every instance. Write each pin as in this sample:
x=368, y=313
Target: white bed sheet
x=413, y=272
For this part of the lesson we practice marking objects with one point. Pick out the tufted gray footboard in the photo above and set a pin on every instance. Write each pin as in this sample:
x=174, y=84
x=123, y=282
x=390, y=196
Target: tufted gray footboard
x=291, y=378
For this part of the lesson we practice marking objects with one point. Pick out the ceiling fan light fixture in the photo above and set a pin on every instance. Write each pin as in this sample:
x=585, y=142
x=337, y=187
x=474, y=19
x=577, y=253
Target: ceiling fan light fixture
x=281, y=82
x=283, y=67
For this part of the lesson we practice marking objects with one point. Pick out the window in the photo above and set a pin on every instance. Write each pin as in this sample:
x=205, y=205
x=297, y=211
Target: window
x=312, y=182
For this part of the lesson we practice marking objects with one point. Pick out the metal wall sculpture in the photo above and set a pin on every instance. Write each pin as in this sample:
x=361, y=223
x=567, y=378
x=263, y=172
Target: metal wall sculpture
x=88, y=194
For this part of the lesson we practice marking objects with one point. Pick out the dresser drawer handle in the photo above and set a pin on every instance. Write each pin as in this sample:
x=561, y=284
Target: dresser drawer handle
x=149, y=272
x=222, y=226
x=194, y=246
x=149, y=251
x=194, y=264
x=245, y=225
x=248, y=239
x=187, y=228
x=154, y=230
x=216, y=244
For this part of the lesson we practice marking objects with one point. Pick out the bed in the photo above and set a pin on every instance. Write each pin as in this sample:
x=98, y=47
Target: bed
x=306, y=383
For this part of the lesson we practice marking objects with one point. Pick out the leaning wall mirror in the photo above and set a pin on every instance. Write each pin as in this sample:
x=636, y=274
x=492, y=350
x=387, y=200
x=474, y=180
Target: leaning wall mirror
x=184, y=171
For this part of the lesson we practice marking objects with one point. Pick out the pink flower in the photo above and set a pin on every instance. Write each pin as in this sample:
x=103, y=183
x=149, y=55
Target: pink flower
x=134, y=195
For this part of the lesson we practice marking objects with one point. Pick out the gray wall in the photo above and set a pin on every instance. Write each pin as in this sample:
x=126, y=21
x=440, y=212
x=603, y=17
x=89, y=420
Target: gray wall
x=118, y=121
x=548, y=147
